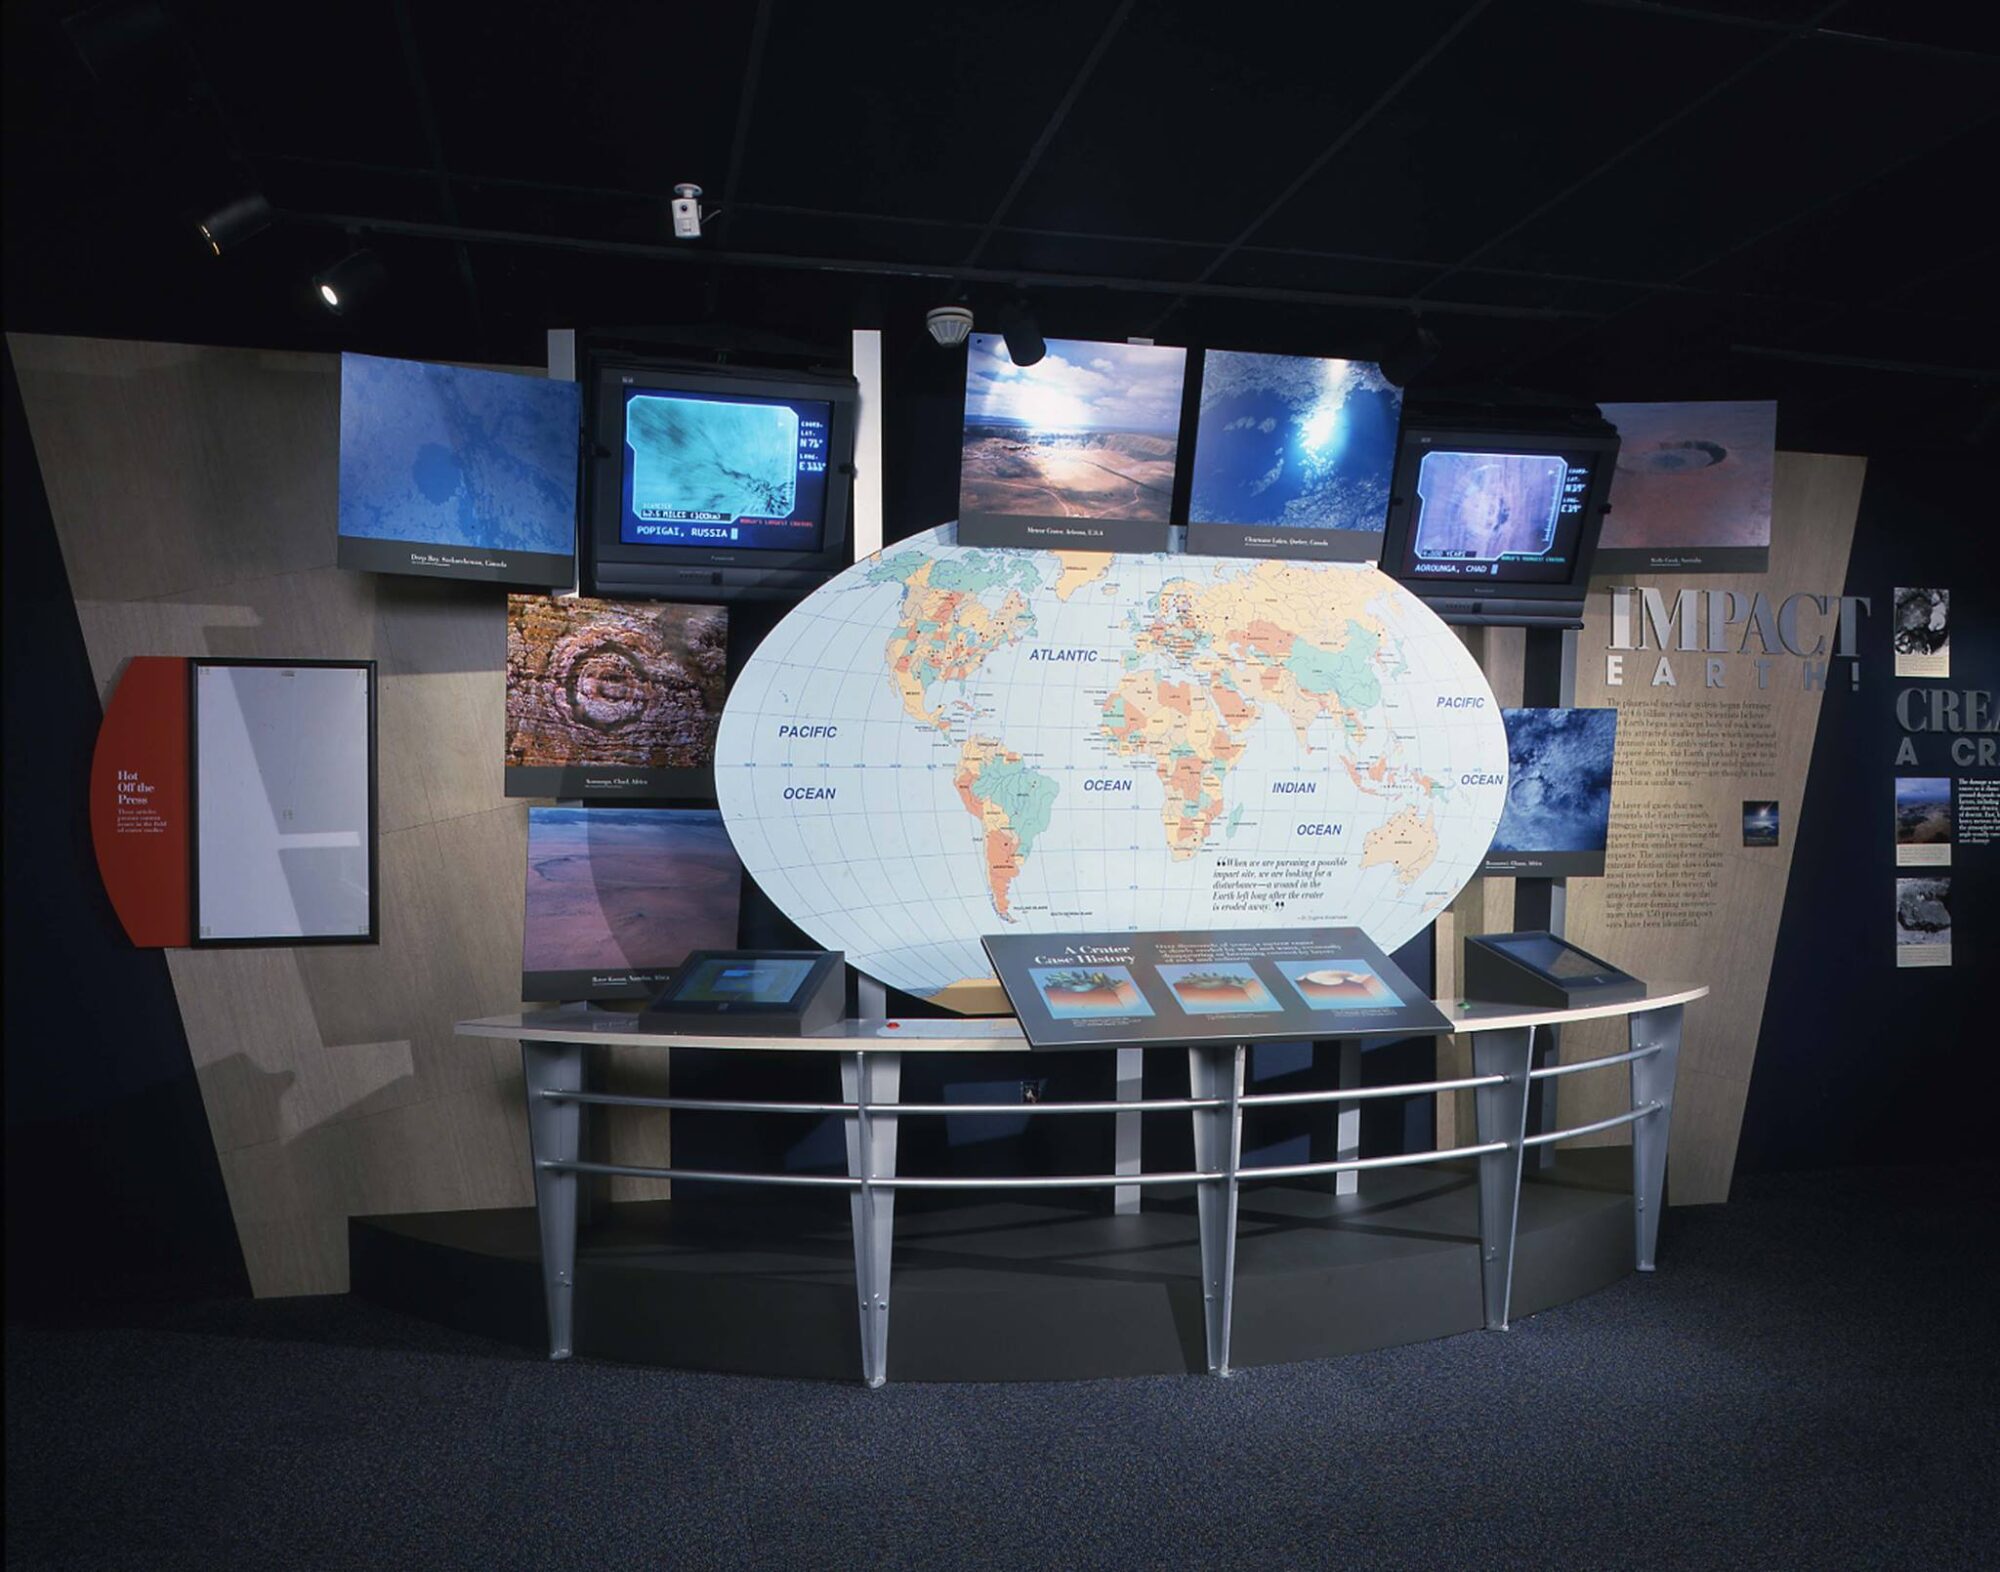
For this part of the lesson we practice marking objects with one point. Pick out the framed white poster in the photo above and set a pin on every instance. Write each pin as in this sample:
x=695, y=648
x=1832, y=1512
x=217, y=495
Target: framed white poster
x=284, y=802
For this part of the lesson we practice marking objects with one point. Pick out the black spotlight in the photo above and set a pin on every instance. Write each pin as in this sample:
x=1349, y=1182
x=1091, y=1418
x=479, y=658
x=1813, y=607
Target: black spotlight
x=235, y=222
x=351, y=282
x=1414, y=354
x=1025, y=344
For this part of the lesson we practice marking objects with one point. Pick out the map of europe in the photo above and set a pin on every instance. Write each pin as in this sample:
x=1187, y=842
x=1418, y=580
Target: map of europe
x=945, y=742
x=448, y=456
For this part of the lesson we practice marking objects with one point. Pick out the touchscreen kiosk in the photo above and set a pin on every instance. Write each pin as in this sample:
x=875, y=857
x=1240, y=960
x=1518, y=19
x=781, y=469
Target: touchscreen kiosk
x=752, y=993
x=1540, y=969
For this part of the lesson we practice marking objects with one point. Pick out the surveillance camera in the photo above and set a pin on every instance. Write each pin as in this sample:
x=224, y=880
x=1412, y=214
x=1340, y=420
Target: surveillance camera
x=687, y=212
x=949, y=325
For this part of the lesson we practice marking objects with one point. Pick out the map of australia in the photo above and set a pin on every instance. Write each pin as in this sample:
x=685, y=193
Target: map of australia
x=945, y=742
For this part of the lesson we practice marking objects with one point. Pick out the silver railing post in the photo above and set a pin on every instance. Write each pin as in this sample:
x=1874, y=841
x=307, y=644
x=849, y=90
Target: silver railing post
x=870, y=1082
x=1652, y=1083
x=1347, y=1126
x=1502, y=1110
x=554, y=1134
x=1217, y=1072
x=1544, y=1099
x=1130, y=1072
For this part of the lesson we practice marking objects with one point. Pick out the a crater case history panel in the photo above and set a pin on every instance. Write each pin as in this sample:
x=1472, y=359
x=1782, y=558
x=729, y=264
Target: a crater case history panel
x=945, y=742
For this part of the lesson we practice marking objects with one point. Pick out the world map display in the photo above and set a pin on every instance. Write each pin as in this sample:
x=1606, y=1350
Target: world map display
x=945, y=742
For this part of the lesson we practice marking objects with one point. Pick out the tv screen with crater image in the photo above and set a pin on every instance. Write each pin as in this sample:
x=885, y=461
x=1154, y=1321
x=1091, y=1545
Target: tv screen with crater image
x=613, y=698
x=713, y=470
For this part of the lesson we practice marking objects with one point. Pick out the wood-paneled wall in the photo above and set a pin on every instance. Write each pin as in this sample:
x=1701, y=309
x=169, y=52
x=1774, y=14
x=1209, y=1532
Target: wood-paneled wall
x=1814, y=503
x=195, y=494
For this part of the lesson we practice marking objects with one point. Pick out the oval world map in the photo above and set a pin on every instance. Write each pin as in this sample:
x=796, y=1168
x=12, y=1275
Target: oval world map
x=944, y=742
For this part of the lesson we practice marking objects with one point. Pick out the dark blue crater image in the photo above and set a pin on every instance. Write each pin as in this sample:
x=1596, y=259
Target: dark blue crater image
x=1558, y=780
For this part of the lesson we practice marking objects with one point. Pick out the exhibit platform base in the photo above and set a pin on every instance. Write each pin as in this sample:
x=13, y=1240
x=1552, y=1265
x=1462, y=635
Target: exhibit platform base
x=1004, y=1290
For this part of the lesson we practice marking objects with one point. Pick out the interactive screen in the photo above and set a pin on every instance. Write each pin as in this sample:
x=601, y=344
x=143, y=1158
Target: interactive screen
x=772, y=980
x=1078, y=449
x=451, y=473
x=284, y=776
x=611, y=698
x=1498, y=518
x=1558, y=811
x=1552, y=956
x=726, y=470
x=1290, y=450
x=618, y=897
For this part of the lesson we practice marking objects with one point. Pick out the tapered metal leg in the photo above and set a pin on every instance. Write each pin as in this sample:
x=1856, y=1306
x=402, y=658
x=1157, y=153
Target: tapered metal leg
x=1503, y=1111
x=1347, y=1123
x=554, y=1130
x=1218, y=1145
x=1652, y=1082
x=1543, y=1097
x=872, y=1083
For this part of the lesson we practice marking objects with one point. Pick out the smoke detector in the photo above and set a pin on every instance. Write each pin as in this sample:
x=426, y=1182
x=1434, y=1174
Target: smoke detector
x=949, y=325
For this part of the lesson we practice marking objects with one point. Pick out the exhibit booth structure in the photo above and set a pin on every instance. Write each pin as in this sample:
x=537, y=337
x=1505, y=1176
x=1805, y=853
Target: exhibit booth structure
x=1130, y=767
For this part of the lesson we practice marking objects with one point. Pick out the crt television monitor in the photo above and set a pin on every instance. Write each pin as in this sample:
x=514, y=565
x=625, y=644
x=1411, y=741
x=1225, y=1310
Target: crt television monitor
x=1499, y=526
x=717, y=484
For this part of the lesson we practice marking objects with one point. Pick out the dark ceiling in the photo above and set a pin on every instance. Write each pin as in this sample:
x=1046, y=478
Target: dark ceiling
x=1747, y=198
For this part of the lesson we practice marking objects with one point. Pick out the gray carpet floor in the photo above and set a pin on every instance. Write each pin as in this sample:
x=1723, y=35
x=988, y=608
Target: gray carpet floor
x=1809, y=1381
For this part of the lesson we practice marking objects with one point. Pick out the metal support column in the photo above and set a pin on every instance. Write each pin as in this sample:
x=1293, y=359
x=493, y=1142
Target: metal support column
x=1218, y=1145
x=872, y=1082
x=1544, y=1100
x=1652, y=1082
x=1131, y=1077
x=554, y=1133
x=1503, y=1112
x=1347, y=1122
x=593, y=1136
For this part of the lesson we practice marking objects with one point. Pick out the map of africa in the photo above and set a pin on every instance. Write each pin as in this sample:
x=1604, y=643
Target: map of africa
x=454, y=457
x=945, y=742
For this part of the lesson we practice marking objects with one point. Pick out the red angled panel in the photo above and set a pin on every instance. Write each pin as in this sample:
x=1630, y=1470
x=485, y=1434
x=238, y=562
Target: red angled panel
x=139, y=800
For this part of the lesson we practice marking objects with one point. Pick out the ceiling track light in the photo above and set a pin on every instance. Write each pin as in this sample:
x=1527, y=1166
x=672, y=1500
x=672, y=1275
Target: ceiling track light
x=1023, y=335
x=235, y=222
x=949, y=325
x=351, y=282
